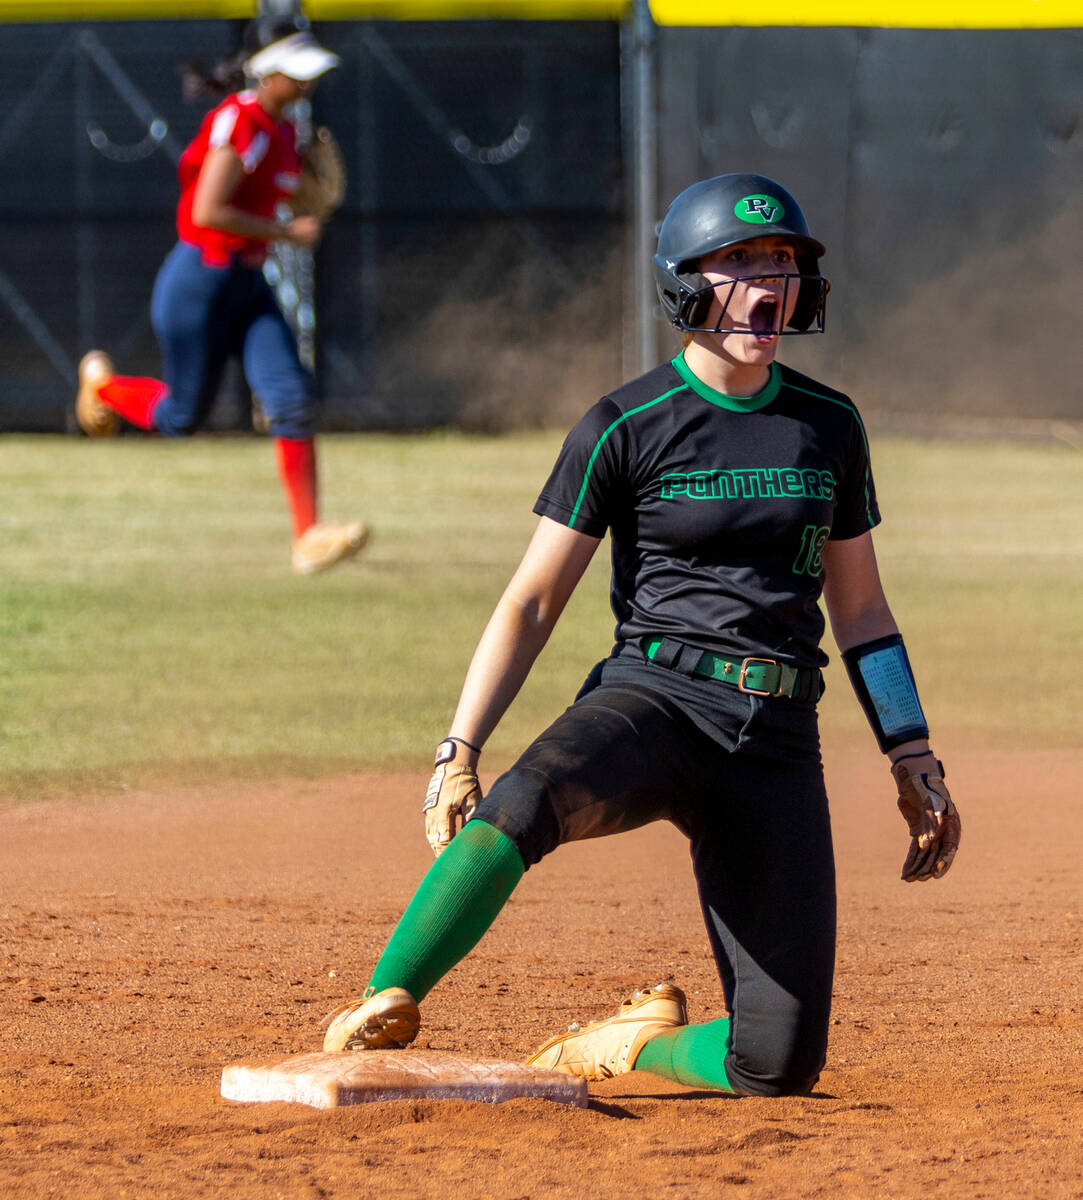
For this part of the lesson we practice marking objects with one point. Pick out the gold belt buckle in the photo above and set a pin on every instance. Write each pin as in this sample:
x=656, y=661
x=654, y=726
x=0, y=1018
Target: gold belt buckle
x=767, y=662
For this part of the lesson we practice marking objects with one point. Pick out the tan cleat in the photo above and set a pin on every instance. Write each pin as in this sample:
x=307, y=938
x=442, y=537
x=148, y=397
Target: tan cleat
x=321, y=546
x=95, y=418
x=606, y=1048
x=387, y=1020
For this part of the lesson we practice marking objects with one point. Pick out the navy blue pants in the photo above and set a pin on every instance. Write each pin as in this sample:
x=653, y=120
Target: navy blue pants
x=744, y=782
x=202, y=316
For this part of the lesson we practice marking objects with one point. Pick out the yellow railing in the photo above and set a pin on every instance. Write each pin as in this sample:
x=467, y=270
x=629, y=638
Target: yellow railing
x=916, y=14
x=907, y=14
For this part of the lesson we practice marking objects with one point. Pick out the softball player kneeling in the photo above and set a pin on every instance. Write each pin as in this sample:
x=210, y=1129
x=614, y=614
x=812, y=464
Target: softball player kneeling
x=735, y=492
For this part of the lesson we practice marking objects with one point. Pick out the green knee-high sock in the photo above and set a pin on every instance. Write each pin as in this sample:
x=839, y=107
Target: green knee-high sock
x=693, y=1055
x=455, y=904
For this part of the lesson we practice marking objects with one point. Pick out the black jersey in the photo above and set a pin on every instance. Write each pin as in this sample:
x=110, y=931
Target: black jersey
x=718, y=506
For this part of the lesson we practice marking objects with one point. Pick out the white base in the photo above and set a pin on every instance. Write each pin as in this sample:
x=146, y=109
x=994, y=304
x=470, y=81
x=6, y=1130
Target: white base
x=362, y=1076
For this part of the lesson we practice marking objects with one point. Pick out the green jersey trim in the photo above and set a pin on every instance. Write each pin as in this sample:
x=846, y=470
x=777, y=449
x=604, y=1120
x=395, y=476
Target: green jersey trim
x=601, y=442
x=846, y=404
x=740, y=404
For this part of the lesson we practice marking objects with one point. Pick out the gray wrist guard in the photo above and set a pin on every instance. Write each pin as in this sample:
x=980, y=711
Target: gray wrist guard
x=884, y=683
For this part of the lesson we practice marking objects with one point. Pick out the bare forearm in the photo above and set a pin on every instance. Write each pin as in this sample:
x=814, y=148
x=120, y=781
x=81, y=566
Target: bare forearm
x=213, y=205
x=520, y=626
x=851, y=629
x=227, y=219
x=860, y=613
x=513, y=639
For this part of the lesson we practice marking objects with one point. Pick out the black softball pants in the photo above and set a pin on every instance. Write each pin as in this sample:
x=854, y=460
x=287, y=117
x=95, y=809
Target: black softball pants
x=752, y=803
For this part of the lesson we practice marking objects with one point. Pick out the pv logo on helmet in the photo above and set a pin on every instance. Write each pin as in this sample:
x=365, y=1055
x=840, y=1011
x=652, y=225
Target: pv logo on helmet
x=759, y=210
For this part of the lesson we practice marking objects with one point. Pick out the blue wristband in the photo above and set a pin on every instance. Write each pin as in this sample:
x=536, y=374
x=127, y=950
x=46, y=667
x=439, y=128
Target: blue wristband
x=884, y=682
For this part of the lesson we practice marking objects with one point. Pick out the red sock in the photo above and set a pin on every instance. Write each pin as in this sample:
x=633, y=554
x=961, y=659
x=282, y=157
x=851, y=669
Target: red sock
x=133, y=397
x=297, y=470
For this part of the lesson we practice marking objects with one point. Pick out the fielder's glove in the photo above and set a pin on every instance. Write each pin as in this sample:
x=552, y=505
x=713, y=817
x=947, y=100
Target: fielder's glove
x=322, y=186
x=930, y=814
x=453, y=794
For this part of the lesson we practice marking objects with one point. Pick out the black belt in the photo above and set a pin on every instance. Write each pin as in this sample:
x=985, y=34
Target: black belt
x=754, y=675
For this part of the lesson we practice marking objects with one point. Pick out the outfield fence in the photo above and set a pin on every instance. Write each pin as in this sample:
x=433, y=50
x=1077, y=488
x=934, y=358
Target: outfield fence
x=482, y=273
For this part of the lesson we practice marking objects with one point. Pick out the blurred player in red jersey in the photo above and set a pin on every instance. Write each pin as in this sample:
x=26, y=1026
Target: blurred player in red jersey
x=211, y=299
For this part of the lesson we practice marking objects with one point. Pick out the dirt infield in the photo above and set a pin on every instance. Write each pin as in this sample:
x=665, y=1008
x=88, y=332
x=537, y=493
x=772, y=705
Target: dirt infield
x=149, y=940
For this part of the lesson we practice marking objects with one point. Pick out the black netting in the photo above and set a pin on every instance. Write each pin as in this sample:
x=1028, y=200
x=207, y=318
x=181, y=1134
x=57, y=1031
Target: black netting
x=479, y=271
x=484, y=211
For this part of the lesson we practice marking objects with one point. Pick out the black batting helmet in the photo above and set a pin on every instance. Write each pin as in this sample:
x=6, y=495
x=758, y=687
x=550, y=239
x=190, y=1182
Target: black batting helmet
x=720, y=212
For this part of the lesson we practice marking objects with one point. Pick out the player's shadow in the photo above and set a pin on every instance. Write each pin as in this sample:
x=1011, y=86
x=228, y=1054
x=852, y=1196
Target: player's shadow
x=612, y=1110
x=622, y=1114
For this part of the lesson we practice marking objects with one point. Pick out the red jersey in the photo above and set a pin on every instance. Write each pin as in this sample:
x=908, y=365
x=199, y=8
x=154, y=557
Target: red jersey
x=267, y=149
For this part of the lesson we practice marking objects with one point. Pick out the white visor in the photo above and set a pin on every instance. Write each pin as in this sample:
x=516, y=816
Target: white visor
x=298, y=56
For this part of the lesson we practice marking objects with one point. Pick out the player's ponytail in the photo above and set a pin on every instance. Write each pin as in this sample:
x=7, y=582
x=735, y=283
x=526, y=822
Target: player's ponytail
x=227, y=74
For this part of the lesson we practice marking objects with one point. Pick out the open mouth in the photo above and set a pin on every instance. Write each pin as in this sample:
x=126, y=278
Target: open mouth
x=763, y=319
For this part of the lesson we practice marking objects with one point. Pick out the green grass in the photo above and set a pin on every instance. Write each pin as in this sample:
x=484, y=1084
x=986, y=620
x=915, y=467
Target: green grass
x=150, y=628
x=981, y=552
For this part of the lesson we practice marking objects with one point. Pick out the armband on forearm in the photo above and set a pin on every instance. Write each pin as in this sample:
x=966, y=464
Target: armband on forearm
x=884, y=683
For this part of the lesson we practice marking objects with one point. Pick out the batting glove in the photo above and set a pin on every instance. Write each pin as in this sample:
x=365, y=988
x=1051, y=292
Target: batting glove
x=930, y=814
x=453, y=793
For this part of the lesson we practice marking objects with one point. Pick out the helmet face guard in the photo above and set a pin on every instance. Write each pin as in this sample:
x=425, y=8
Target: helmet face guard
x=697, y=292
x=720, y=212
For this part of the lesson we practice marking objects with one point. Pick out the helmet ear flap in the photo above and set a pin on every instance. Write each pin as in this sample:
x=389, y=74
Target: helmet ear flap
x=695, y=303
x=811, y=302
